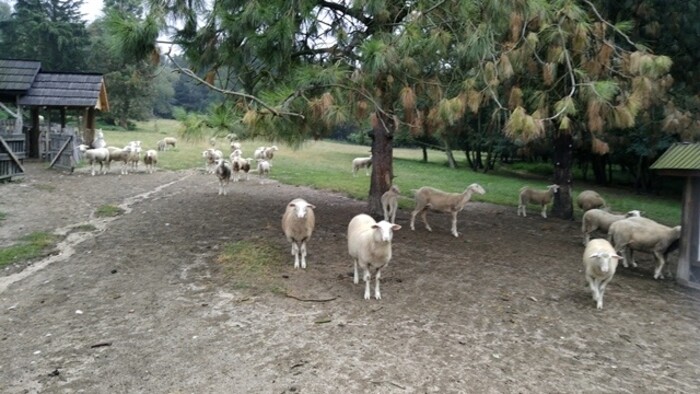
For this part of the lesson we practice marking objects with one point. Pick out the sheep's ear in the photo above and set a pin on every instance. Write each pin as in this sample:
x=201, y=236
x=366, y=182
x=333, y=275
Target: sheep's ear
x=312, y=206
x=375, y=226
x=291, y=204
x=616, y=256
x=596, y=254
x=396, y=227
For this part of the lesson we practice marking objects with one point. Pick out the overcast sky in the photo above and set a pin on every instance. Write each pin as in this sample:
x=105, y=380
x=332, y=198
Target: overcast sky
x=92, y=9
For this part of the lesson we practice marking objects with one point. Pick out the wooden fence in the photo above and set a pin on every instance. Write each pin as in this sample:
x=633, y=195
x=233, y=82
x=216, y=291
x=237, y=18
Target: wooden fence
x=12, y=155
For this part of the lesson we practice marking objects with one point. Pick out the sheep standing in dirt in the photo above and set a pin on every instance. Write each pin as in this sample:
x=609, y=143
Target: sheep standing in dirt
x=264, y=167
x=437, y=200
x=298, y=224
x=361, y=162
x=150, y=159
x=223, y=174
x=369, y=245
x=644, y=235
x=599, y=262
x=390, y=203
x=211, y=158
x=119, y=154
x=598, y=219
x=588, y=199
x=541, y=197
x=97, y=155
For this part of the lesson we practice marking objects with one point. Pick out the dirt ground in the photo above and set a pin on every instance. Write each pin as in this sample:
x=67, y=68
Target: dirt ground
x=141, y=304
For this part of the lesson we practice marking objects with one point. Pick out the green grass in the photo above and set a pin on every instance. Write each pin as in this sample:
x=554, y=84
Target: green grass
x=251, y=263
x=108, y=211
x=327, y=165
x=32, y=246
x=3, y=215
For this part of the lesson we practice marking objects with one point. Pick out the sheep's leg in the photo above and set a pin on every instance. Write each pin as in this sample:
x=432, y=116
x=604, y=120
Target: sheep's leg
x=92, y=168
x=355, y=278
x=544, y=211
x=586, y=238
x=367, y=278
x=602, y=285
x=425, y=219
x=593, y=286
x=413, y=219
x=377, y=293
x=393, y=213
x=660, y=265
x=454, y=224
x=631, y=257
x=295, y=253
x=303, y=254
x=385, y=208
x=367, y=171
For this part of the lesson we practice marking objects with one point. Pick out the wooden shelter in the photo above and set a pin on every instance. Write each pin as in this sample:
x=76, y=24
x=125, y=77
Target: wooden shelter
x=683, y=159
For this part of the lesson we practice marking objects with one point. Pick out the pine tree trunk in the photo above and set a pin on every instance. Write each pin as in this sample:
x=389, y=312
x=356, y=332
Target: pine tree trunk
x=450, y=157
x=382, y=167
x=598, y=164
x=425, y=154
x=563, y=158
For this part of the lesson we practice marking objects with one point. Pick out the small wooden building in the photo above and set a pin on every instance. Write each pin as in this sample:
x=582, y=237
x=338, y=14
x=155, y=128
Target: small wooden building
x=683, y=159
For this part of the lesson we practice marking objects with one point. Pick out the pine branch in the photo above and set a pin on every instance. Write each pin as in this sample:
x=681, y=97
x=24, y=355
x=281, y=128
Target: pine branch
x=600, y=18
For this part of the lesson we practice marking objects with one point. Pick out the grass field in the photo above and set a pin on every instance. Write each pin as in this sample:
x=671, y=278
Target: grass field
x=326, y=165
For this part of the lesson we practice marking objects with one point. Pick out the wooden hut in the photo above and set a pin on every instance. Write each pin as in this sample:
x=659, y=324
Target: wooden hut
x=683, y=159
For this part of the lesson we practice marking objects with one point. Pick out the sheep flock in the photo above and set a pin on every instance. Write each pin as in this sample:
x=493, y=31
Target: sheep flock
x=369, y=242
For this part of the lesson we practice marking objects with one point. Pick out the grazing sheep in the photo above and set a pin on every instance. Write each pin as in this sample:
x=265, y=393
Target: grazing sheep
x=264, y=167
x=99, y=141
x=170, y=141
x=298, y=224
x=541, y=197
x=150, y=159
x=390, y=203
x=160, y=145
x=211, y=157
x=599, y=262
x=223, y=173
x=644, y=235
x=369, y=245
x=361, y=162
x=598, y=219
x=97, y=155
x=437, y=200
x=588, y=199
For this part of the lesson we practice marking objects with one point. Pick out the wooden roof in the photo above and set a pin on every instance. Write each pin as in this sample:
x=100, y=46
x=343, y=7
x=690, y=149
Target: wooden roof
x=16, y=76
x=680, y=156
x=67, y=90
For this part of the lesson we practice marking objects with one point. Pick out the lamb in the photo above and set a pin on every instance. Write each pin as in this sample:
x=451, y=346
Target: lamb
x=598, y=219
x=644, y=235
x=599, y=262
x=361, y=162
x=298, y=224
x=150, y=159
x=264, y=167
x=390, y=203
x=265, y=153
x=223, y=173
x=235, y=145
x=135, y=154
x=259, y=153
x=239, y=164
x=97, y=155
x=588, y=199
x=542, y=197
x=170, y=141
x=437, y=200
x=369, y=245
x=211, y=157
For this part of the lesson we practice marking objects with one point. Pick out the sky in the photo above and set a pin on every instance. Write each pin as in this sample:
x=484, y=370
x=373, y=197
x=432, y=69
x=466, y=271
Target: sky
x=92, y=9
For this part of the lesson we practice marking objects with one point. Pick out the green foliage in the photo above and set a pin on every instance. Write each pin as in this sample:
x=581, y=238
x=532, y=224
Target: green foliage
x=108, y=211
x=30, y=247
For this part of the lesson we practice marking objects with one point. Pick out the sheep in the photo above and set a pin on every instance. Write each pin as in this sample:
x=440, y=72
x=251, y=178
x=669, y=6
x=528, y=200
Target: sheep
x=160, y=145
x=97, y=155
x=390, y=203
x=235, y=145
x=588, y=199
x=99, y=141
x=135, y=155
x=211, y=157
x=598, y=219
x=239, y=164
x=644, y=235
x=119, y=154
x=265, y=153
x=259, y=153
x=263, y=169
x=599, y=262
x=170, y=141
x=298, y=224
x=542, y=197
x=369, y=245
x=437, y=200
x=223, y=173
x=150, y=159
x=361, y=162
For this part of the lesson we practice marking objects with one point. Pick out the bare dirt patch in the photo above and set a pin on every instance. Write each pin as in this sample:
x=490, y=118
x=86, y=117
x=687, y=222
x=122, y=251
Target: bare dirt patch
x=144, y=302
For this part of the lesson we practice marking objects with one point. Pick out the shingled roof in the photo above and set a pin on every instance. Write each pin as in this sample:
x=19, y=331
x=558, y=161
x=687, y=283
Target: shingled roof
x=16, y=76
x=67, y=90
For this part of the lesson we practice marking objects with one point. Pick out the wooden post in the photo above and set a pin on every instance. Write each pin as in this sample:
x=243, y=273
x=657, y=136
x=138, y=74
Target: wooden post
x=34, y=134
x=89, y=126
x=63, y=118
x=688, y=253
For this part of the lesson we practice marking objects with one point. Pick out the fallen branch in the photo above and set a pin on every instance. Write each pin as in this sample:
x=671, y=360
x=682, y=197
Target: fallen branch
x=309, y=299
x=101, y=344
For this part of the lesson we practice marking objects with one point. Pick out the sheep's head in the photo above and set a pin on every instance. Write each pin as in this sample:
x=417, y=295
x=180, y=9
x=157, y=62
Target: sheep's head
x=553, y=188
x=83, y=147
x=384, y=231
x=395, y=189
x=633, y=214
x=605, y=259
x=301, y=207
x=476, y=188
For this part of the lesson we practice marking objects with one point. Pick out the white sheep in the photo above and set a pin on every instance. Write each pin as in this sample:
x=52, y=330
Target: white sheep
x=119, y=154
x=264, y=167
x=99, y=141
x=269, y=152
x=390, y=203
x=223, y=174
x=298, y=224
x=369, y=245
x=541, y=197
x=211, y=158
x=160, y=145
x=135, y=154
x=440, y=201
x=150, y=159
x=644, y=235
x=259, y=153
x=599, y=262
x=599, y=219
x=97, y=155
x=361, y=162
x=588, y=199
x=170, y=141
x=235, y=145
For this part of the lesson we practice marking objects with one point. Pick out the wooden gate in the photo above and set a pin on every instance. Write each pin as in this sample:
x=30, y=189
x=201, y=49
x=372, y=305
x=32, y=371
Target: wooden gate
x=61, y=149
x=12, y=155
